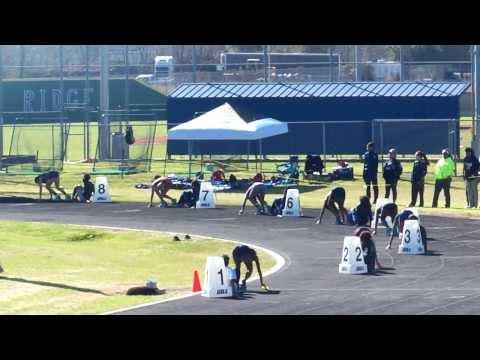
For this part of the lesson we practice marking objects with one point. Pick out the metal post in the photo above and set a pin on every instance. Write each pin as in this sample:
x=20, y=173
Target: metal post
x=194, y=64
x=1, y=107
x=472, y=97
x=373, y=130
x=402, y=70
x=331, y=63
x=62, y=99
x=248, y=153
x=261, y=152
x=266, y=64
x=127, y=93
x=476, y=82
x=324, y=136
x=190, y=158
x=357, y=77
x=87, y=104
x=381, y=138
x=104, y=104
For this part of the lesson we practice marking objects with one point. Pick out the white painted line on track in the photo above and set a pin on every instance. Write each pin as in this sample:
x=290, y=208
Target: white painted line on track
x=279, y=261
x=126, y=211
x=289, y=229
x=446, y=305
x=23, y=204
x=220, y=219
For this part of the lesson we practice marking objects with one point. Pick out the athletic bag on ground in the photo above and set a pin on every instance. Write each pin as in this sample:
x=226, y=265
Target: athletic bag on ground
x=277, y=207
x=186, y=199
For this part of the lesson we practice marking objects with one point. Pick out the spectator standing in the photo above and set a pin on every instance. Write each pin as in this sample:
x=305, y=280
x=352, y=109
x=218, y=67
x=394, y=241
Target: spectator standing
x=418, y=177
x=392, y=169
x=470, y=175
x=443, y=177
x=370, y=169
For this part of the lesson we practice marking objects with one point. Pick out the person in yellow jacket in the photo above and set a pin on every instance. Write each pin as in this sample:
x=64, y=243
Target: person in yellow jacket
x=443, y=177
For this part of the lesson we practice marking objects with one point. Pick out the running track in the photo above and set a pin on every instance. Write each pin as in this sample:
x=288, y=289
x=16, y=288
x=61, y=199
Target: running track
x=446, y=281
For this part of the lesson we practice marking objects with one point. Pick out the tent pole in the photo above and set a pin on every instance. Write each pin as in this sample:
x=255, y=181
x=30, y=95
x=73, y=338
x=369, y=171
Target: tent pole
x=261, y=154
x=248, y=152
x=189, y=158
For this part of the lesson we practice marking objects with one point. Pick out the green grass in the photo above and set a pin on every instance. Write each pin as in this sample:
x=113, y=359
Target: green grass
x=311, y=194
x=60, y=269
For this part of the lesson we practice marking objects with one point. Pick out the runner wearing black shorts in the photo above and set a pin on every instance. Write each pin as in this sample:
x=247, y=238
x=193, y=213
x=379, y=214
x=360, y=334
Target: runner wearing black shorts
x=50, y=178
x=256, y=195
x=335, y=196
x=389, y=209
x=160, y=186
x=247, y=255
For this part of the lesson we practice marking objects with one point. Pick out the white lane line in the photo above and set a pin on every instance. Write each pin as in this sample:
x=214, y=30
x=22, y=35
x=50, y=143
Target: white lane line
x=392, y=303
x=459, y=235
x=441, y=227
x=23, y=204
x=447, y=305
x=383, y=289
x=279, y=262
x=289, y=229
x=126, y=211
x=219, y=219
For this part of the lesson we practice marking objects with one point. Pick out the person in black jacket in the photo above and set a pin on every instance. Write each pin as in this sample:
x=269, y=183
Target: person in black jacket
x=370, y=169
x=470, y=175
x=418, y=177
x=84, y=193
x=392, y=169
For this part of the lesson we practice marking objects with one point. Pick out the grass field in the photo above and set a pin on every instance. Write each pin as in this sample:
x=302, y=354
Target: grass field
x=311, y=193
x=60, y=269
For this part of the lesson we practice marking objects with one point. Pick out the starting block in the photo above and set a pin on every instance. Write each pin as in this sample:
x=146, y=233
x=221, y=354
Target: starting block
x=292, y=204
x=411, y=239
x=217, y=282
x=206, y=198
x=102, y=190
x=352, y=261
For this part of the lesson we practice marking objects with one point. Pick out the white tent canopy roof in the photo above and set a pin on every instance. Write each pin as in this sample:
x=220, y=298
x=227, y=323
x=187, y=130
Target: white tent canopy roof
x=265, y=128
x=224, y=123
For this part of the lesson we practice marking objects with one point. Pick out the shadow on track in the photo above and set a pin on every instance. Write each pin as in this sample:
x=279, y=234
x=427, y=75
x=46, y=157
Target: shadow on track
x=55, y=285
x=249, y=294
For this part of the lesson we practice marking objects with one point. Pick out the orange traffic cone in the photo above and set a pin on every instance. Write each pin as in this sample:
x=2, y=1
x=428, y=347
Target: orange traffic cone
x=196, y=282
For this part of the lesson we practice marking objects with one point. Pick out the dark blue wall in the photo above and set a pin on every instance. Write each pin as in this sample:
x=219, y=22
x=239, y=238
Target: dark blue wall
x=308, y=138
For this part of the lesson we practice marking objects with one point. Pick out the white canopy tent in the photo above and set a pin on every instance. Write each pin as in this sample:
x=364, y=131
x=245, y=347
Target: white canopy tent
x=224, y=123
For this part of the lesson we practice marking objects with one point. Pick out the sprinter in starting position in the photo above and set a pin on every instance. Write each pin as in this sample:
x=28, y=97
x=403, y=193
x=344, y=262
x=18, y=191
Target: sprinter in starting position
x=336, y=195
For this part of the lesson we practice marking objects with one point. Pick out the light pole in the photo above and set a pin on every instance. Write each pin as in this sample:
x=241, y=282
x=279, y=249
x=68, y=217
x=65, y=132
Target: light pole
x=87, y=103
x=104, y=103
x=194, y=64
x=62, y=106
x=402, y=69
x=475, y=83
x=266, y=64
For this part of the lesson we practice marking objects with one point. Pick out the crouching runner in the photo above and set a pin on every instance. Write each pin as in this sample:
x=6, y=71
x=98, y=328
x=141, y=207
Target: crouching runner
x=369, y=249
x=335, y=196
x=256, y=195
x=399, y=222
x=361, y=215
x=84, y=193
x=390, y=210
x=51, y=178
x=160, y=186
x=247, y=255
